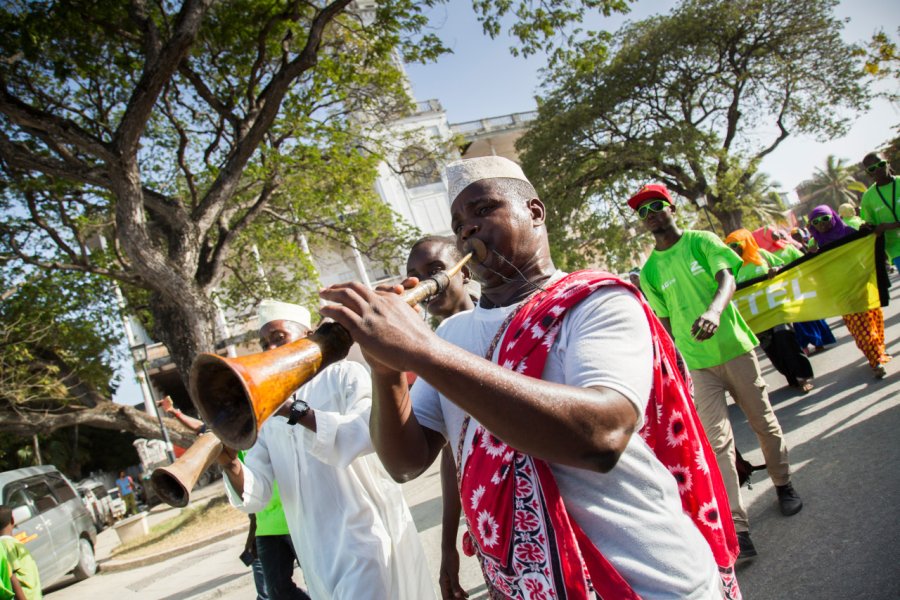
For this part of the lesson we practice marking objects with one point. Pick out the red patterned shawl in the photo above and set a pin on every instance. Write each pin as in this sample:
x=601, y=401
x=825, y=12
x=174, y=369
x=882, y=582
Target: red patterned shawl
x=527, y=544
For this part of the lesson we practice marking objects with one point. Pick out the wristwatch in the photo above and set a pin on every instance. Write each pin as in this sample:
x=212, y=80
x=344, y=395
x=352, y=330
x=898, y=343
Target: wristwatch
x=299, y=409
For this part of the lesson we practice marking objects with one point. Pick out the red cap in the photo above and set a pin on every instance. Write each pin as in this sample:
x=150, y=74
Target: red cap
x=651, y=190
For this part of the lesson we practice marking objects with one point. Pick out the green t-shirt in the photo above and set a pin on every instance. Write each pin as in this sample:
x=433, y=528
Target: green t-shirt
x=884, y=207
x=6, y=589
x=271, y=519
x=854, y=222
x=23, y=566
x=679, y=284
x=789, y=254
x=751, y=271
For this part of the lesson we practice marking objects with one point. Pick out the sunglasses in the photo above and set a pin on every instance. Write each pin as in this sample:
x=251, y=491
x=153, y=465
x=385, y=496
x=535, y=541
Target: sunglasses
x=655, y=206
x=736, y=246
x=821, y=219
x=874, y=167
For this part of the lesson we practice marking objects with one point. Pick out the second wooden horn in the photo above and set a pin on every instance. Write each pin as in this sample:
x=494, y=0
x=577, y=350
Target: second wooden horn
x=173, y=484
x=235, y=395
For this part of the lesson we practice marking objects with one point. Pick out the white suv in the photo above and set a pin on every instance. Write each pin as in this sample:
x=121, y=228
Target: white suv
x=51, y=521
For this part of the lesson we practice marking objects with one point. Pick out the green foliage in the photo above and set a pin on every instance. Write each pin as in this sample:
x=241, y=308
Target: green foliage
x=680, y=99
x=182, y=147
x=59, y=332
x=539, y=25
x=881, y=61
x=833, y=184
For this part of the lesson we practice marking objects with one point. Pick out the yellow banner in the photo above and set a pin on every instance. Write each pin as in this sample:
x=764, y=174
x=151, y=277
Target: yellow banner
x=837, y=281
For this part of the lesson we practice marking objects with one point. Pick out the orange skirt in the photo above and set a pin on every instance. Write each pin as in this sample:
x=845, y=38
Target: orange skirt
x=867, y=328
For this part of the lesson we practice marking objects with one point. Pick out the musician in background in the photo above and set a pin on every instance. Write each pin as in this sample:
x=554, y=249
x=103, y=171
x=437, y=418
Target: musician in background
x=556, y=484
x=348, y=520
x=428, y=256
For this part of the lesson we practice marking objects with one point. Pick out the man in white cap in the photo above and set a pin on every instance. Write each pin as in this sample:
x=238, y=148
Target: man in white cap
x=348, y=520
x=540, y=391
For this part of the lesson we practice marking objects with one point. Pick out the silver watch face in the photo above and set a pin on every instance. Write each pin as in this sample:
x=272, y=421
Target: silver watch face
x=299, y=408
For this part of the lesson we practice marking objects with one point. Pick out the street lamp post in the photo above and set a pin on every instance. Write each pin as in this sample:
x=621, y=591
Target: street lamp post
x=702, y=203
x=139, y=354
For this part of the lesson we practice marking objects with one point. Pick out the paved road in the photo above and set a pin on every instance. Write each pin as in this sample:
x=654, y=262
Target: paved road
x=845, y=454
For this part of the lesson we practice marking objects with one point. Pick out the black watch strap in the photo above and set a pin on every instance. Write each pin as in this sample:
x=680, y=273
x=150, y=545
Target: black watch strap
x=299, y=408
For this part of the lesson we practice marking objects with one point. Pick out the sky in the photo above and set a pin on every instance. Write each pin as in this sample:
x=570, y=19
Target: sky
x=482, y=79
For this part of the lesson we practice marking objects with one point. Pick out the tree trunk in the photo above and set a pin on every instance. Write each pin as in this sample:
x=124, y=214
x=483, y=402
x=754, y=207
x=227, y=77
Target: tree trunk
x=187, y=326
x=106, y=415
x=730, y=219
x=37, y=449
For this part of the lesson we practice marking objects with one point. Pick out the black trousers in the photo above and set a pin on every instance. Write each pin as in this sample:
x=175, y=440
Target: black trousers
x=781, y=346
x=276, y=553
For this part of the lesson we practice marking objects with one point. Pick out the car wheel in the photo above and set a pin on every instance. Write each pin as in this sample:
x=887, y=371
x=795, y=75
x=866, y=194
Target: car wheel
x=87, y=564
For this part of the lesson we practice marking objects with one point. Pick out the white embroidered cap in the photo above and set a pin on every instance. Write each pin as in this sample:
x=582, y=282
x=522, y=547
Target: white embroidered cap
x=273, y=310
x=462, y=173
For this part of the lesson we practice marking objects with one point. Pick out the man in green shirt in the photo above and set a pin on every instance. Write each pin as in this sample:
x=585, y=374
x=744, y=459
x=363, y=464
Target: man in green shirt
x=689, y=283
x=24, y=568
x=880, y=206
x=10, y=588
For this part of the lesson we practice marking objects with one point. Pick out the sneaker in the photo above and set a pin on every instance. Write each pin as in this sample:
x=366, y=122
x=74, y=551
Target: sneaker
x=748, y=550
x=880, y=372
x=788, y=499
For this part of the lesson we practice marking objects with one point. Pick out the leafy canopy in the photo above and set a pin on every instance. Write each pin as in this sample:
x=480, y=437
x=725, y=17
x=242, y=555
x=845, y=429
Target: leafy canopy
x=693, y=99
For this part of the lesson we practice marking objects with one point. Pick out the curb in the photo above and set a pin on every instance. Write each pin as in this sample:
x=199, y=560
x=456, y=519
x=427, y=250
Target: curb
x=113, y=566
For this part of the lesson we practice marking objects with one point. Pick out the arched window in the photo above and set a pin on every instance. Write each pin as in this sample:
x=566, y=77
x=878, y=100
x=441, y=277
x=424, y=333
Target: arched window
x=418, y=167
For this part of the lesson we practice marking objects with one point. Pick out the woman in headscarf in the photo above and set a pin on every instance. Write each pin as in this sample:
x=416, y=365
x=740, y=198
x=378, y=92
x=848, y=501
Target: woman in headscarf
x=809, y=333
x=779, y=343
x=867, y=327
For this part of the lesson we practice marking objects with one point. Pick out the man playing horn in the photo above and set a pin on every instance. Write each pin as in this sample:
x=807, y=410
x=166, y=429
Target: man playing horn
x=541, y=391
x=349, y=523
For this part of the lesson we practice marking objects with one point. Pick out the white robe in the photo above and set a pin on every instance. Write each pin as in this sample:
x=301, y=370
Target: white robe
x=349, y=522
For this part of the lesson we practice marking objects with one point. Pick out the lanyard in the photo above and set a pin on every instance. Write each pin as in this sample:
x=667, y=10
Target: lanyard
x=893, y=205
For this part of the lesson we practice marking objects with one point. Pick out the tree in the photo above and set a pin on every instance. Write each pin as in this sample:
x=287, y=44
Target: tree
x=58, y=336
x=881, y=61
x=181, y=132
x=543, y=26
x=833, y=185
x=165, y=145
x=686, y=99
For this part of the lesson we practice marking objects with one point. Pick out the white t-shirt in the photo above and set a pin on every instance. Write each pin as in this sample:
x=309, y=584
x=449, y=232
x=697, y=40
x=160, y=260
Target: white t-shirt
x=633, y=513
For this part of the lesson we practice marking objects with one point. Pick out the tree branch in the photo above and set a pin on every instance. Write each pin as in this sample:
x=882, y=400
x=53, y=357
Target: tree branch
x=48, y=125
x=106, y=415
x=257, y=122
x=158, y=70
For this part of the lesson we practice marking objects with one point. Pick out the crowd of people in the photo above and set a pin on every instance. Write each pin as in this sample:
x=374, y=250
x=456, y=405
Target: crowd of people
x=581, y=418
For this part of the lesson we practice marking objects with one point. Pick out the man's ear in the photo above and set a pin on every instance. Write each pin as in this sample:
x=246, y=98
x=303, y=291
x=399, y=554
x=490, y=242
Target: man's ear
x=467, y=276
x=538, y=211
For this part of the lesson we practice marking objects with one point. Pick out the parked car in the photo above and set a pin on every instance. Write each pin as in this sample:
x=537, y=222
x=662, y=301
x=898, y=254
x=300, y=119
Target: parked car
x=51, y=521
x=97, y=500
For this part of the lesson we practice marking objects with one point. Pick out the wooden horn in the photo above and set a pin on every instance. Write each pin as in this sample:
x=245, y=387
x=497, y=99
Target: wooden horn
x=236, y=395
x=173, y=484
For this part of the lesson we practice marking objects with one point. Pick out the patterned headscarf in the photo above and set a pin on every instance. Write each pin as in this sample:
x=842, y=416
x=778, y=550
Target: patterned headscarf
x=749, y=247
x=838, y=229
